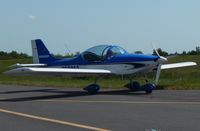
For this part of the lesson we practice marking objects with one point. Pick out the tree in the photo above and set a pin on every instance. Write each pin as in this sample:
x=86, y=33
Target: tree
x=161, y=52
x=184, y=53
x=12, y=55
x=198, y=50
x=193, y=52
x=138, y=52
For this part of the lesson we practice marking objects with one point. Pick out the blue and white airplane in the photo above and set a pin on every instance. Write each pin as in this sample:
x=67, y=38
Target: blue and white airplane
x=99, y=61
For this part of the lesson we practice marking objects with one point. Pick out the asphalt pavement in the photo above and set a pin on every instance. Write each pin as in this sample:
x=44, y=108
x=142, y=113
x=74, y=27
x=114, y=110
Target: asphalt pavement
x=29, y=108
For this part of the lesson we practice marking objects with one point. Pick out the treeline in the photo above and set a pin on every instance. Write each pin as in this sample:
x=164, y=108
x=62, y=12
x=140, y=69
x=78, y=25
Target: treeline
x=193, y=52
x=13, y=55
x=16, y=55
x=165, y=53
x=67, y=55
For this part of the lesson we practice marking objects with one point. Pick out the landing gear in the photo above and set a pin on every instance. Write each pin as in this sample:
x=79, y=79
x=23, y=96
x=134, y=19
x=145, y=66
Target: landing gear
x=93, y=88
x=135, y=86
x=148, y=88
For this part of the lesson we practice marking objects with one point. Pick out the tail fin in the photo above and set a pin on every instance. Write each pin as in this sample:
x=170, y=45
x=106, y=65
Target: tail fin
x=40, y=52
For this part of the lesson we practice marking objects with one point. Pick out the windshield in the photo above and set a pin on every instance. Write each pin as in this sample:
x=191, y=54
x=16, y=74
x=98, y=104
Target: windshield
x=98, y=50
x=116, y=50
x=95, y=53
x=101, y=52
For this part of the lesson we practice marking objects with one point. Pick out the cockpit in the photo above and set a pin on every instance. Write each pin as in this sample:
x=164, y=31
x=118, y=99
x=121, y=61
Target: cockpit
x=102, y=52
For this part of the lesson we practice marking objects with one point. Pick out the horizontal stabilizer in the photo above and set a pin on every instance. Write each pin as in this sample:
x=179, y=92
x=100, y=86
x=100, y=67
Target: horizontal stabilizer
x=55, y=71
x=178, y=65
x=18, y=65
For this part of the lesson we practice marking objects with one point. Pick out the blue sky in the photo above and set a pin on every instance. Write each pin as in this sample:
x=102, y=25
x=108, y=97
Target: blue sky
x=173, y=25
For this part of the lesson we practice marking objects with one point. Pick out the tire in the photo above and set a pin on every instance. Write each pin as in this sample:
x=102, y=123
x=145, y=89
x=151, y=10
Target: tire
x=92, y=89
x=148, y=88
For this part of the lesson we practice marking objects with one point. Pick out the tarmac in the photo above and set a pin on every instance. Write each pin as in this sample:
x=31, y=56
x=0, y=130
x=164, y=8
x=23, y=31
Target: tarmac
x=26, y=108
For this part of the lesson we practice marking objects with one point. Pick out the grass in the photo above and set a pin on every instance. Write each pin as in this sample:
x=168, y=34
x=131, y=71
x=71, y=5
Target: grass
x=181, y=78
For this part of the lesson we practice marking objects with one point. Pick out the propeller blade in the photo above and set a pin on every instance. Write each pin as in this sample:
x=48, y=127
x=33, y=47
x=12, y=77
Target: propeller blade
x=154, y=48
x=160, y=61
x=158, y=74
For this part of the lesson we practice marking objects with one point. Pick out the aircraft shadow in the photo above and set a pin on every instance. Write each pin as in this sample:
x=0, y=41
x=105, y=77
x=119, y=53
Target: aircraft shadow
x=63, y=94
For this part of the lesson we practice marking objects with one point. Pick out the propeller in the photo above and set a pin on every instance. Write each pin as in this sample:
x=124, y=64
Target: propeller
x=160, y=61
x=154, y=48
x=158, y=74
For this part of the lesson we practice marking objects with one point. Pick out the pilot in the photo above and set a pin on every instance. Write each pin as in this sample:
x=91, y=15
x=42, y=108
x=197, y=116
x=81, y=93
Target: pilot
x=110, y=54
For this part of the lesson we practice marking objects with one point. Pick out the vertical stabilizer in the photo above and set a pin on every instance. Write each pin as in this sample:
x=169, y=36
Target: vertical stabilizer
x=40, y=52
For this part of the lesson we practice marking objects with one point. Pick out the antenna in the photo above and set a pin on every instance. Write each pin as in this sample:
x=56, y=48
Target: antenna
x=67, y=49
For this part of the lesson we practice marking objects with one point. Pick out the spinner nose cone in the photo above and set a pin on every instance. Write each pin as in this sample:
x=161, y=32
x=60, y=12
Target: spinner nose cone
x=162, y=59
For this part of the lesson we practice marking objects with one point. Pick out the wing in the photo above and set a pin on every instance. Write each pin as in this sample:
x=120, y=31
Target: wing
x=56, y=71
x=178, y=65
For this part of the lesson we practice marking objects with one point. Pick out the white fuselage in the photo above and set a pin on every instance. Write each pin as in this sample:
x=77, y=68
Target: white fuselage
x=119, y=68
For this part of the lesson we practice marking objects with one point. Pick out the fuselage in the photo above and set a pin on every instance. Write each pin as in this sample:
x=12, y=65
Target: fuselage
x=119, y=62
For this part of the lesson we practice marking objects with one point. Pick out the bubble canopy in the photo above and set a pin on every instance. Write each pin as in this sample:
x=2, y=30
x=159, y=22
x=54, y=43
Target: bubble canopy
x=101, y=52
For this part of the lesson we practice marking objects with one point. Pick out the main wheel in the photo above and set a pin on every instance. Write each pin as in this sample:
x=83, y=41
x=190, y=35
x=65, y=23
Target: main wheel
x=92, y=89
x=148, y=88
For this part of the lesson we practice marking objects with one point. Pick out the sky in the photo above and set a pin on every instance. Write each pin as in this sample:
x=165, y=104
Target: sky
x=75, y=25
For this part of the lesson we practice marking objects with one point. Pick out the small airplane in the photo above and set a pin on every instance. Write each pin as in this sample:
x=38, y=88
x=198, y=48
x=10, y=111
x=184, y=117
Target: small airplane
x=98, y=61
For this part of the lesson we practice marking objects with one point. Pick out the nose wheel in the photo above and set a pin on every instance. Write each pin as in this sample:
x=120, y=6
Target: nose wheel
x=148, y=88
